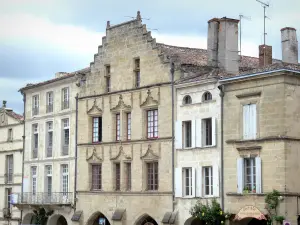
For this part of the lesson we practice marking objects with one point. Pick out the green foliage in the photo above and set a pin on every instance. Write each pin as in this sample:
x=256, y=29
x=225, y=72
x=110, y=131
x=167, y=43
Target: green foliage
x=41, y=216
x=279, y=219
x=272, y=201
x=211, y=214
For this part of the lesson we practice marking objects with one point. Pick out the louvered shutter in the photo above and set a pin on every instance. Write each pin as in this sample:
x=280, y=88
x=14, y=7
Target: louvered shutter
x=214, y=131
x=199, y=133
x=258, y=174
x=240, y=175
x=178, y=135
x=178, y=182
x=216, y=181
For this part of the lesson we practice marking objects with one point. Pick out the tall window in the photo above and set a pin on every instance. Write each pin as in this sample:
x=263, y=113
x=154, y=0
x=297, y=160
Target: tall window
x=249, y=121
x=107, y=68
x=152, y=176
x=66, y=136
x=8, y=192
x=118, y=127
x=48, y=170
x=9, y=168
x=97, y=129
x=152, y=123
x=118, y=176
x=207, y=96
x=128, y=176
x=207, y=134
x=187, y=132
x=96, y=177
x=33, y=180
x=35, y=105
x=65, y=98
x=137, y=72
x=208, y=180
x=49, y=102
x=35, y=141
x=128, y=117
x=187, y=181
x=65, y=179
x=10, y=134
x=49, y=139
x=249, y=174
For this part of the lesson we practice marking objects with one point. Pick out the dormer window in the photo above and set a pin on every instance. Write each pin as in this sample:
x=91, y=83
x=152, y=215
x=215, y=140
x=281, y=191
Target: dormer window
x=137, y=72
x=207, y=96
x=187, y=100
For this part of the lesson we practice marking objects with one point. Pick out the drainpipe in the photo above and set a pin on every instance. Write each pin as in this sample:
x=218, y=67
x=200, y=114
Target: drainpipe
x=24, y=107
x=221, y=87
x=173, y=149
x=76, y=134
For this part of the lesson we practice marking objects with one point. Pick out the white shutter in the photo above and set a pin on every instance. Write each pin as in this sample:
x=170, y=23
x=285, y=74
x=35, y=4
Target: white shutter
x=193, y=133
x=214, y=131
x=252, y=122
x=178, y=135
x=199, y=182
x=258, y=174
x=199, y=133
x=246, y=121
x=216, y=181
x=178, y=182
x=193, y=182
x=240, y=174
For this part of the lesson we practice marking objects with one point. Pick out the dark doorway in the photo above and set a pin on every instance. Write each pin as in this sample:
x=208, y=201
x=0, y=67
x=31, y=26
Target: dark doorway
x=101, y=219
x=62, y=221
x=147, y=220
x=257, y=222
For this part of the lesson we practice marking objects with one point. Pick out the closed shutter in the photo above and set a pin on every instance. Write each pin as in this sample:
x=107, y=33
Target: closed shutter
x=193, y=133
x=240, y=174
x=193, y=182
x=216, y=181
x=252, y=121
x=199, y=182
x=178, y=182
x=213, y=131
x=258, y=174
x=199, y=133
x=246, y=121
x=178, y=135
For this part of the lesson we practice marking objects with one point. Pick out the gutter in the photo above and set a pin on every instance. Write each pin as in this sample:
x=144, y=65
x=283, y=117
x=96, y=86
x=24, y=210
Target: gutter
x=76, y=134
x=221, y=87
x=24, y=100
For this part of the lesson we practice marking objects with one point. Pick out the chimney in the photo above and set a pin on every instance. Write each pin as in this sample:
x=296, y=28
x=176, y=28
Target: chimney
x=265, y=55
x=60, y=74
x=289, y=45
x=212, y=42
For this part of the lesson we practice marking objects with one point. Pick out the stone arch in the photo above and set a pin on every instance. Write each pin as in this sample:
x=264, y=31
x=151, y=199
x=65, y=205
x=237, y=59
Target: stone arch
x=94, y=219
x=193, y=221
x=145, y=219
x=27, y=219
x=57, y=219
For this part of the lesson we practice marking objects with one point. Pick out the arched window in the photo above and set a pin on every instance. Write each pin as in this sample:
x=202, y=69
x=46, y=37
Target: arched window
x=207, y=96
x=187, y=100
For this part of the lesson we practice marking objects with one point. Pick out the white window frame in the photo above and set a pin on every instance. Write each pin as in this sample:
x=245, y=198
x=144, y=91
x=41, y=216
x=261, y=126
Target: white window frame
x=65, y=177
x=50, y=99
x=252, y=173
x=49, y=171
x=65, y=97
x=184, y=130
x=65, y=126
x=190, y=181
x=10, y=168
x=10, y=134
x=33, y=180
x=210, y=184
x=204, y=122
x=35, y=130
x=249, y=121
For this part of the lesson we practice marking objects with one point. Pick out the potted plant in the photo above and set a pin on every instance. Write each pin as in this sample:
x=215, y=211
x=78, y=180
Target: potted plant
x=254, y=190
x=246, y=190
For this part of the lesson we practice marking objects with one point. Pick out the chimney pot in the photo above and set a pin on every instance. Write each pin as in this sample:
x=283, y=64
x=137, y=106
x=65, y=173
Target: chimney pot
x=268, y=55
x=289, y=45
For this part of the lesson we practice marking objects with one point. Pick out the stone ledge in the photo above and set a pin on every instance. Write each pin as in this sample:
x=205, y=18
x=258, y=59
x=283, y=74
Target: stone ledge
x=287, y=194
x=252, y=94
x=249, y=148
x=124, y=193
x=269, y=138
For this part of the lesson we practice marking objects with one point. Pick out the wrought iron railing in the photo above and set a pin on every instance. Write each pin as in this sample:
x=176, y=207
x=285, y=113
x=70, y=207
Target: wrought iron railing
x=8, y=178
x=49, y=151
x=65, y=150
x=44, y=198
x=49, y=108
x=35, y=111
x=34, y=153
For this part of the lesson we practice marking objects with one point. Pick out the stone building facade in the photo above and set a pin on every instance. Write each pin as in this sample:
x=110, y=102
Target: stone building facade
x=11, y=152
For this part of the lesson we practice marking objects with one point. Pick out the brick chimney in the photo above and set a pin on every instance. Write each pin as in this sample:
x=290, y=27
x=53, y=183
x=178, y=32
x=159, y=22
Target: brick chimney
x=265, y=55
x=289, y=45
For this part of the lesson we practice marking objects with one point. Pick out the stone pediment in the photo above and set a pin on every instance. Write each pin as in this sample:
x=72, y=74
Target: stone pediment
x=94, y=155
x=121, y=106
x=149, y=155
x=121, y=155
x=94, y=110
x=150, y=101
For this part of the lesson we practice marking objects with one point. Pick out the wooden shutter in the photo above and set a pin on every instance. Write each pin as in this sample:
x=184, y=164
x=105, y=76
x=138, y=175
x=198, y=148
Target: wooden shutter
x=199, y=182
x=216, y=182
x=240, y=174
x=193, y=133
x=199, y=133
x=246, y=121
x=252, y=121
x=258, y=174
x=178, y=182
x=193, y=182
x=178, y=135
x=214, y=131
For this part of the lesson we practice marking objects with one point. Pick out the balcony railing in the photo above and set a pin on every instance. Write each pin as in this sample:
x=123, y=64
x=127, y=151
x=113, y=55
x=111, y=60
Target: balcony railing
x=49, y=108
x=34, y=153
x=8, y=178
x=65, y=150
x=64, y=104
x=6, y=212
x=49, y=151
x=58, y=198
x=35, y=111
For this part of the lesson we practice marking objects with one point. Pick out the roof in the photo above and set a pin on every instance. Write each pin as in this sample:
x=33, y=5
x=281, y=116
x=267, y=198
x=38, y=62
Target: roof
x=15, y=115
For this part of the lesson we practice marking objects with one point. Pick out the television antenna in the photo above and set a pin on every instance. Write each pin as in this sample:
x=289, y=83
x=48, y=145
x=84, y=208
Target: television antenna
x=134, y=17
x=242, y=17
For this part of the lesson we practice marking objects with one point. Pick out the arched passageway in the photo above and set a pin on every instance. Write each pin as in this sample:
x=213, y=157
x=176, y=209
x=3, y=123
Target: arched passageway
x=146, y=220
x=27, y=219
x=193, y=221
x=254, y=221
x=57, y=219
x=98, y=218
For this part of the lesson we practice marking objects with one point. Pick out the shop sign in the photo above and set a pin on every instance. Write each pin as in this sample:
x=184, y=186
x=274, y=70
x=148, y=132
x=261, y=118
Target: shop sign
x=250, y=211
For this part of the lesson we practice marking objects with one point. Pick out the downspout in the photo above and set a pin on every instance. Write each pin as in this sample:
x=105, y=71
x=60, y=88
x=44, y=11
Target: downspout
x=24, y=107
x=221, y=87
x=173, y=149
x=76, y=134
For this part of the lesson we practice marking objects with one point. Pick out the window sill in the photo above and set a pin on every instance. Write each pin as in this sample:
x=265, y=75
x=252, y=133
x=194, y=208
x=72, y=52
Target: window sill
x=244, y=194
x=261, y=139
x=196, y=148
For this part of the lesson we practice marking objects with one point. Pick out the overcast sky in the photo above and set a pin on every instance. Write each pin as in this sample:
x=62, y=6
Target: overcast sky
x=39, y=38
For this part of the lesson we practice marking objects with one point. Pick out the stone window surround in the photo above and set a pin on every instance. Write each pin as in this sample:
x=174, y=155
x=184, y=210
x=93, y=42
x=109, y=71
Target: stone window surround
x=123, y=184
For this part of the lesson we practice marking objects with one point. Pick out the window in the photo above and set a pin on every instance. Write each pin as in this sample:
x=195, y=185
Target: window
x=96, y=177
x=152, y=123
x=97, y=129
x=249, y=121
x=152, y=176
x=207, y=96
x=65, y=98
x=118, y=127
x=33, y=180
x=187, y=100
x=65, y=179
x=207, y=132
x=187, y=132
x=249, y=174
x=10, y=134
x=8, y=192
x=208, y=180
x=48, y=170
x=49, y=102
x=118, y=176
x=137, y=72
x=128, y=117
x=9, y=168
x=128, y=176
x=35, y=139
x=107, y=68
x=35, y=105
x=187, y=181
x=49, y=139
x=66, y=136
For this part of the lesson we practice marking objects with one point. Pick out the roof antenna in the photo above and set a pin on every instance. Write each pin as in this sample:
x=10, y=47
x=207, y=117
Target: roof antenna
x=242, y=17
x=264, y=5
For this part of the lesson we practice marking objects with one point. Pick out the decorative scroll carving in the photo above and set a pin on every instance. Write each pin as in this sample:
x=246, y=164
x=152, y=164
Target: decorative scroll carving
x=121, y=105
x=149, y=154
x=150, y=101
x=93, y=155
x=95, y=110
x=120, y=154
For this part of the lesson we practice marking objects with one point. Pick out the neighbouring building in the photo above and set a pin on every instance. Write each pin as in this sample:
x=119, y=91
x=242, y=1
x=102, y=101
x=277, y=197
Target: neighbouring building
x=11, y=152
x=50, y=146
x=261, y=137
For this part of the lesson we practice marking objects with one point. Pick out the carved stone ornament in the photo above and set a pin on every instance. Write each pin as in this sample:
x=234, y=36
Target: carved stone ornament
x=149, y=154
x=121, y=106
x=93, y=155
x=150, y=101
x=120, y=154
x=94, y=110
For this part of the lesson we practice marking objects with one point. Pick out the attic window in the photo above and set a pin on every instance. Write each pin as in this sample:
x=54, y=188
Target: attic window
x=207, y=96
x=187, y=100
